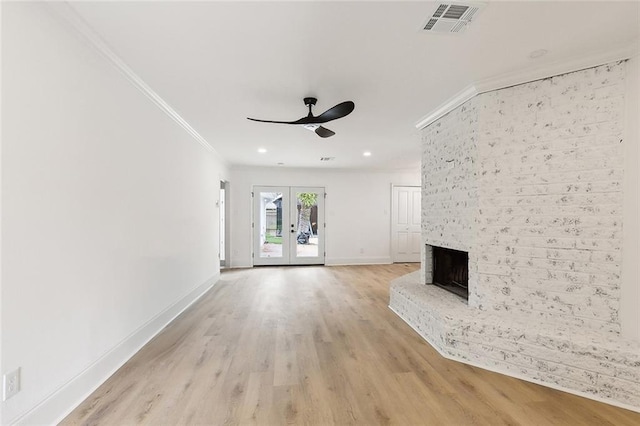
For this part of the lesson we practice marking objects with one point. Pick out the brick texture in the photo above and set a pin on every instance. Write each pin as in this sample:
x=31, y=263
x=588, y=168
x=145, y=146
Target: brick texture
x=528, y=180
x=549, y=219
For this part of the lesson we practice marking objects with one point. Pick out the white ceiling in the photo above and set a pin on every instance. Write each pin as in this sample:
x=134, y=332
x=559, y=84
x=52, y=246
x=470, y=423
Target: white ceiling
x=217, y=63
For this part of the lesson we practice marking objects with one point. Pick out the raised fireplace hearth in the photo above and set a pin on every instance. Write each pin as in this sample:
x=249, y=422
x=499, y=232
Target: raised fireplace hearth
x=451, y=270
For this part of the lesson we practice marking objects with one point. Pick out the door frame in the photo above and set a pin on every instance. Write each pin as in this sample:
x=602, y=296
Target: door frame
x=289, y=226
x=395, y=256
x=224, y=226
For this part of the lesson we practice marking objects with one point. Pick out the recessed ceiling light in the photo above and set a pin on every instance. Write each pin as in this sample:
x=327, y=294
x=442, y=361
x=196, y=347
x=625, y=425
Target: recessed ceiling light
x=262, y=150
x=538, y=53
x=366, y=154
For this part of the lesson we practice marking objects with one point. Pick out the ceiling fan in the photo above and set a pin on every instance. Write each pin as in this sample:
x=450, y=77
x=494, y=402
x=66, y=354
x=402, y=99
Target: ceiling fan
x=312, y=122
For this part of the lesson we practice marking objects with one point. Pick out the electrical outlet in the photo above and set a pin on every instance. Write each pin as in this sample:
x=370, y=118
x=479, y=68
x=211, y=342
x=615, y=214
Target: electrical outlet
x=11, y=384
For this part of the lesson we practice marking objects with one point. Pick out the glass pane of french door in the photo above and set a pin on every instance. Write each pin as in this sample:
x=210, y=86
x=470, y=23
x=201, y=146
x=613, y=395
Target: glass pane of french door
x=288, y=226
x=306, y=211
x=271, y=214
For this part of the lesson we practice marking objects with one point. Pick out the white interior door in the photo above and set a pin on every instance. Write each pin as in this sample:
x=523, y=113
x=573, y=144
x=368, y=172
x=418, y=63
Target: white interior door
x=288, y=225
x=405, y=229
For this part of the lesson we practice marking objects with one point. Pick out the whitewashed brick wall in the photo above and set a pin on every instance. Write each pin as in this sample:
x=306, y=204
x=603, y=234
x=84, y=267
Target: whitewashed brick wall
x=534, y=194
x=550, y=198
x=450, y=181
x=450, y=187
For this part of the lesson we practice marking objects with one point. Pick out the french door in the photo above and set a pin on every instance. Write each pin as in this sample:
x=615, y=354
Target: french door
x=288, y=225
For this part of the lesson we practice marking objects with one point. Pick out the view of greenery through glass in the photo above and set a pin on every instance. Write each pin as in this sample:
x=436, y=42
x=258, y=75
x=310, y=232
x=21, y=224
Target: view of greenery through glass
x=271, y=239
x=307, y=200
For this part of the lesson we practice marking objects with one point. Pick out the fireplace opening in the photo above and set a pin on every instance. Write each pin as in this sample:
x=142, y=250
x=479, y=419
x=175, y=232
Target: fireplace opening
x=451, y=271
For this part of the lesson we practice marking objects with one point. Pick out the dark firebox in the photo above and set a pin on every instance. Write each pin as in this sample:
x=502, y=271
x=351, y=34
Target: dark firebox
x=451, y=271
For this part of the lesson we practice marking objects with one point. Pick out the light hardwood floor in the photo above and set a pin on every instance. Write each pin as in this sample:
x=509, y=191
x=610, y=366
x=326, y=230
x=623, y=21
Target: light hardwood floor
x=316, y=346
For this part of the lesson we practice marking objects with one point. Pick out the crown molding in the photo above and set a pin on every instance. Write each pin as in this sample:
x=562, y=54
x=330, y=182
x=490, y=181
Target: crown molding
x=69, y=15
x=525, y=76
x=557, y=68
x=452, y=103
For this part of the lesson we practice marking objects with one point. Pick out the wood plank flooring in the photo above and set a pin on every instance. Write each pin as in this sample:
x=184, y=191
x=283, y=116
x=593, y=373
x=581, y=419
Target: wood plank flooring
x=316, y=346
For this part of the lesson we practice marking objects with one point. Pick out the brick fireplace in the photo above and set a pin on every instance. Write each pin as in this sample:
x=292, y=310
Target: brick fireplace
x=527, y=181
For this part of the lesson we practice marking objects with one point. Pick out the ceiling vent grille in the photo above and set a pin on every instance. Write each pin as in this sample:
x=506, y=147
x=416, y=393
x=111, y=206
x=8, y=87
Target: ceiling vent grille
x=452, y=17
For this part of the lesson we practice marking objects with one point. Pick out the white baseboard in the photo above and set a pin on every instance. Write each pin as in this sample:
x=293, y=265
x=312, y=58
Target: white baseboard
x=519, y=376
x=336, y=261
x=54, y=408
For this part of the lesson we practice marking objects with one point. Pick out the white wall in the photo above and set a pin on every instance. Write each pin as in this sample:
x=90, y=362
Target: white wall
x=357, y=210
x=108, y=215
x=630, y=291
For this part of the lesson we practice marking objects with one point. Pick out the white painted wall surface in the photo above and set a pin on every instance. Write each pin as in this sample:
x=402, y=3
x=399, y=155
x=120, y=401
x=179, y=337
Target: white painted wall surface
x=630, y=291
x=109, y=221
x=358, y=210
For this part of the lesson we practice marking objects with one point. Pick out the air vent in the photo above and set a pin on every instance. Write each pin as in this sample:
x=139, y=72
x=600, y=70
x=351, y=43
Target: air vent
x=452, y=17
x=327, y=158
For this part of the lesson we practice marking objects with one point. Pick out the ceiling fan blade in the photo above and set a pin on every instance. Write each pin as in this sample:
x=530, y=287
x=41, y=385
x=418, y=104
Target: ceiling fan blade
x=341, y=110
x=323, y=132
x=300, y=121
